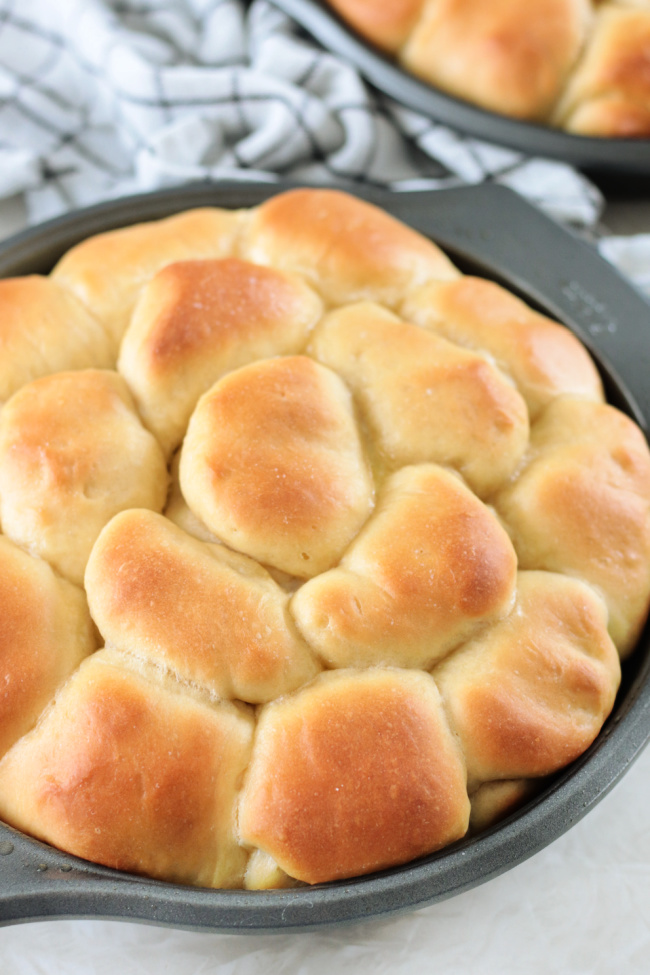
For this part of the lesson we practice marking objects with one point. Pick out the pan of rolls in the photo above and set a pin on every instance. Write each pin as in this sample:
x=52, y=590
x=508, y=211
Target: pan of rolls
x=324, y=551
x=562, y=78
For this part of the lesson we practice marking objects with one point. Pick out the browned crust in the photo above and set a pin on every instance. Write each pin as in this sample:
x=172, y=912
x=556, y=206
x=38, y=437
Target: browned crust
x=355, y=773
x=45, y=632
x=505, y=55
x=72, y=454
x=274, y=466
x=214, y=617
x=531, y=694
x=386, y=24
x=544, y=359
x=133, y=775
x=581, y=506
x=431, y=565
x=108, y=271
x=347, y=249
x=198, y=320
x=609, y=94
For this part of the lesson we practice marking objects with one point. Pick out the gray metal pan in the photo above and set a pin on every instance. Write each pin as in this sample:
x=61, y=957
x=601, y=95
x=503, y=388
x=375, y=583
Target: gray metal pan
x=598, y=157
x=491, y=231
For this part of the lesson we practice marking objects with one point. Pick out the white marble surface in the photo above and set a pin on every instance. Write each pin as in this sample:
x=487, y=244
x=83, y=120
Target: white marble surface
x=580, y=907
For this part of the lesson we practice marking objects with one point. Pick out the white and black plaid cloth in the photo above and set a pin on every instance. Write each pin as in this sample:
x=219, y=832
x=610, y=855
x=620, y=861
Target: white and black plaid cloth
x=100, y=98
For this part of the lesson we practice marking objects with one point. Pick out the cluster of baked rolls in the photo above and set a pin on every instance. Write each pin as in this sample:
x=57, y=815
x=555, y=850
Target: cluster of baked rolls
x=314, y=551
x=580, y=65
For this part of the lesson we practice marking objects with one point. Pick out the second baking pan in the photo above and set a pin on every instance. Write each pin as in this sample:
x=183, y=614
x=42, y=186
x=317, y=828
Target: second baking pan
x=599, y=157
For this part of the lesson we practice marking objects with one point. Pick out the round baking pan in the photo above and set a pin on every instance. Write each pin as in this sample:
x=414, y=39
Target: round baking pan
x=601, y=158
x=485, y=229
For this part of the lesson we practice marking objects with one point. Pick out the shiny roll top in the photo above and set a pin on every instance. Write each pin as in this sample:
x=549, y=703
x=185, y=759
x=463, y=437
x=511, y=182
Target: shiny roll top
x=314, y=552
x=581, y=65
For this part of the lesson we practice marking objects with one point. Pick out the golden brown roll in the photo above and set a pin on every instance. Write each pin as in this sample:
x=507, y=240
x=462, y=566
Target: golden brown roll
x=45, y=632
x=72, y=454
x=45, y=329
x=506, y=55
x=430, y=566
x=578, y=64
x=211, y=616
x=581, y=506
x=108, y=271
x=424, y=399
x=354, y=773
x=531, y=694
x=196, y=321
x=135, y=773
x=543, y=359
x=346, y=249
x=385, y=24
x=609, y=93
x=273, y=465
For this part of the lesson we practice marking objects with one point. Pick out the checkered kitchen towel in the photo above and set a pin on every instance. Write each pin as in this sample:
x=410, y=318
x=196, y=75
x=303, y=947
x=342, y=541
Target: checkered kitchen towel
x=100, y=98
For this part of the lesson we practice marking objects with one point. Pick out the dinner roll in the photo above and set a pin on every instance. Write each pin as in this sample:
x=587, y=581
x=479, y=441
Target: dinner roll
x=274, y=466
x=542, y=358
x=506, y=55
x=135, y=773
x=45, y=329
x=211, y=616
x=72, y=454
x=423, y=398
x=581, y=506
x=530, y=694
x=609, y=93
x=346, y=249
x=45, y=632
x=108, y=271
x=431, y=565
x=354, y=773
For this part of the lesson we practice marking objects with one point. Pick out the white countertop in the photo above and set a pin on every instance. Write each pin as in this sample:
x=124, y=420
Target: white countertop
x=580, y=907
